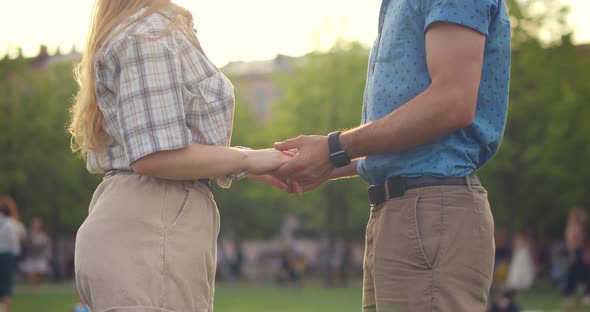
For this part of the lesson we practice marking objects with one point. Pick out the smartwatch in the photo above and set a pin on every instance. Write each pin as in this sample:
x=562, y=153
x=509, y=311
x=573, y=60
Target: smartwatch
x=338, y=156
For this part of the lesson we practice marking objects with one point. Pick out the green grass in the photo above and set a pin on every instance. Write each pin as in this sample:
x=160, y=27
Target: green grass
x=544, y=300
x=47, y=302
x=260, y=299
x=243, y=299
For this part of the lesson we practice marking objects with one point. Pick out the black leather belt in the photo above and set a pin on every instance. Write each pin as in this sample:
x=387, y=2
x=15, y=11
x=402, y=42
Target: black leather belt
x=397, y=186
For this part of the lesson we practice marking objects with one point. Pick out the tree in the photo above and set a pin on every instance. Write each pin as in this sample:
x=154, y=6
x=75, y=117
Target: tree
x=36, y=165
x=325, y=94
x=250, y=209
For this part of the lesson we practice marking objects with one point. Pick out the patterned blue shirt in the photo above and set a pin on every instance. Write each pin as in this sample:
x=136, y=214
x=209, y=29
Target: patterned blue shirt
x=398, y=73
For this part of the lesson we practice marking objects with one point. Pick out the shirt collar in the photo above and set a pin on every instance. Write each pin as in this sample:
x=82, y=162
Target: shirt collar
x=173, y=11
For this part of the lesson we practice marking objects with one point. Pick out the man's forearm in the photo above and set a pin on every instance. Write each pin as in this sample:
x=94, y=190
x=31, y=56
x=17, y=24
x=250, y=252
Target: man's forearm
x=430, y=115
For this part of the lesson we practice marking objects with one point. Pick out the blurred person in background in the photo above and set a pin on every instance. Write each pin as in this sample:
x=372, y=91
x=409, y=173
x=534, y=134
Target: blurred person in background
x=38, y=255
x=154, y=115
x=288, y=272
x=337, y=260
x=501, y=260
x=21, y=229
x=559, y=263
x=521, y=273
x=9, y=248
x=223, y=271
x=237, y=265
x=577, y=273
x=300, y=262
x=504, y=302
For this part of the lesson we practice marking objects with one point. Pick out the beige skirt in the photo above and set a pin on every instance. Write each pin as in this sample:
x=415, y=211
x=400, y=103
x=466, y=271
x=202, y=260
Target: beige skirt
x=148, y=245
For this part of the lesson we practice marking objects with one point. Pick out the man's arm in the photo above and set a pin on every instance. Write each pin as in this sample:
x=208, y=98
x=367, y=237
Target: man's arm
x=455, y=59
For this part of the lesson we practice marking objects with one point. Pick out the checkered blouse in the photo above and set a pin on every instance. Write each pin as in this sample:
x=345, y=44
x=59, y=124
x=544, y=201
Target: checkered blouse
x=158, y=91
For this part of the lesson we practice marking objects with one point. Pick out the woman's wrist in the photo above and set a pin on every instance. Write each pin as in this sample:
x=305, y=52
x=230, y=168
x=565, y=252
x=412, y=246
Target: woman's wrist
x=245, y=163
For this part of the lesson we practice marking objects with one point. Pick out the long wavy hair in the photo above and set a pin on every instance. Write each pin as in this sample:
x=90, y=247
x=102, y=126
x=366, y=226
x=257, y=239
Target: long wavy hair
x=86, y=125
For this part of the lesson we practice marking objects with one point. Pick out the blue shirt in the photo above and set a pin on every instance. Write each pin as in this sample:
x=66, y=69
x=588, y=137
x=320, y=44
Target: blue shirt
x=398, y=73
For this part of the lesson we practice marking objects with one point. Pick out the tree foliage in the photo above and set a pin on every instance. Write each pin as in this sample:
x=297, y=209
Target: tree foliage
x=539, y=172
x=36, y=165
x=323, y=95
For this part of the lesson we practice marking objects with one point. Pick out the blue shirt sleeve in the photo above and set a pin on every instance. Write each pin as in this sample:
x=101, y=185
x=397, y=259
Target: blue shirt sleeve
x=475, y=14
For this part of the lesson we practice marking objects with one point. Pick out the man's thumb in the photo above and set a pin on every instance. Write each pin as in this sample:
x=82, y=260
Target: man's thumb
x=287, y=145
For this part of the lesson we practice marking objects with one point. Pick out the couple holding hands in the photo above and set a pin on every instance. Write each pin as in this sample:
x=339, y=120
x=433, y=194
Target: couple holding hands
x=155, y=115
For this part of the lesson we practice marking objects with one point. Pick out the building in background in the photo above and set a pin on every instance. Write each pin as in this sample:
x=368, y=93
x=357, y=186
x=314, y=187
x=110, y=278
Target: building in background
x=255, y=82
x=44, y=59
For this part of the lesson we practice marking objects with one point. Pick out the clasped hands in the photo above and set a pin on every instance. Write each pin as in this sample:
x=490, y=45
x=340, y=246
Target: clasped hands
x=297, y=165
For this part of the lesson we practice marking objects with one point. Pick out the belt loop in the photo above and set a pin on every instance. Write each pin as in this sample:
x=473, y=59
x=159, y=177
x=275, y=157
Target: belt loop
x=387, y=192
x=468, y=182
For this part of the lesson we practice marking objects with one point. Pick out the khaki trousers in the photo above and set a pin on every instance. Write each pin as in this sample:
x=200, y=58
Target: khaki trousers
x=148, y=245
x=430, y=250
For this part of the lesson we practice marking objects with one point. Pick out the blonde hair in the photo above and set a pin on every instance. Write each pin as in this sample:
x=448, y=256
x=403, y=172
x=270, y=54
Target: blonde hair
x=86, y=125
x=577, y=215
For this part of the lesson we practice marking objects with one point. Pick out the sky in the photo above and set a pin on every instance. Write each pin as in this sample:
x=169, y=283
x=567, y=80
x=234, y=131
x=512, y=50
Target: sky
x=229, y=30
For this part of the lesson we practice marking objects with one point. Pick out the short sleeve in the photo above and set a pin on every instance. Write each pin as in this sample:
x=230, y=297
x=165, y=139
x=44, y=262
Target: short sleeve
x=150, y=108
x=475, y=14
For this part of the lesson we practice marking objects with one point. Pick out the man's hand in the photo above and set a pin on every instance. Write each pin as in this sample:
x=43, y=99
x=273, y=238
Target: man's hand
x=296, y=188
x=311, y=166
x=272, y=180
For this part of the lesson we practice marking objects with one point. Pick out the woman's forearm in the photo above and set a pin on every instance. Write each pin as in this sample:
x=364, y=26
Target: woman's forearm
x=193, y=162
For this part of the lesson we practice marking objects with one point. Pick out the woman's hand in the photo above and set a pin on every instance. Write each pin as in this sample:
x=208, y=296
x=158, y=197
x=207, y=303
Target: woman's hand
x=264, y=161
x=269, y=177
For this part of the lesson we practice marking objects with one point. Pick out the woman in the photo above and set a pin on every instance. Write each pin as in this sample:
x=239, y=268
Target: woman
x=521, y=273
x=155, y=115
x=577, y=273
x=38, y=252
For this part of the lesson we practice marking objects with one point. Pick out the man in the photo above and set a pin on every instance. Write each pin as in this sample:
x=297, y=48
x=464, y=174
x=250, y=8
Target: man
x=434, y=112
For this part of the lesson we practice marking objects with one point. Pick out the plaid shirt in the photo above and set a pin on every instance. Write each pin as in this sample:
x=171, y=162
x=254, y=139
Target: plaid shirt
x=158, y=91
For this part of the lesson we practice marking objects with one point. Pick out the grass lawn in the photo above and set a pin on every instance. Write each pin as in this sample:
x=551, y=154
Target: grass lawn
x=259, y=299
